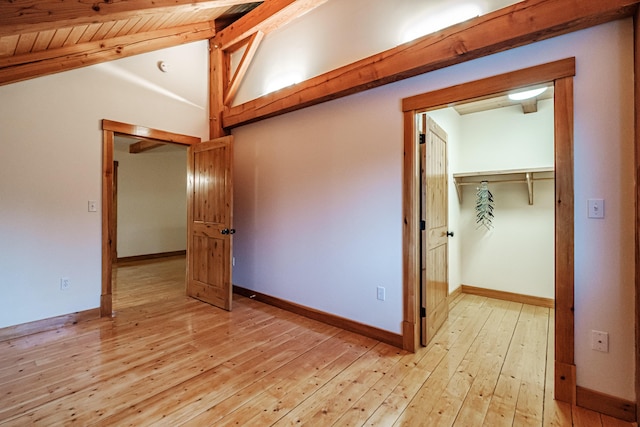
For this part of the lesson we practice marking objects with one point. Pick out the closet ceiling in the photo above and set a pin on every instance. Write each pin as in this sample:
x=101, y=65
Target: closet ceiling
x=500, y=101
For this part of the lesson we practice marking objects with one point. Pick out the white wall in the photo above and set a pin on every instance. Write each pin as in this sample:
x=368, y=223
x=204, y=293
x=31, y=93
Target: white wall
x=517, y=254
x=370, y=26
x=318, y=195
x=331, y=192
x=50, y=166
x=152, y=200
x=317, y=209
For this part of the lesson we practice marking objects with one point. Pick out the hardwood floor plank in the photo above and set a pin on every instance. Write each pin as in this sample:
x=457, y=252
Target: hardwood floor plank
x=446, y=410
x=476, y=403
x=274, y=395
x=530, y=404
x=166, y=359
x=277, y=402
x=428, y=359
x=425, y=400
x=502, y=408
x=122, y=354
x=155, y=362
x=196, y=393
x=332, y=400
x=585, y=417
x=556, y=413
x=608, y=421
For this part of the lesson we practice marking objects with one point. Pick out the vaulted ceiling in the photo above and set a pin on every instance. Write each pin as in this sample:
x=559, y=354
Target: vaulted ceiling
x=40, y=37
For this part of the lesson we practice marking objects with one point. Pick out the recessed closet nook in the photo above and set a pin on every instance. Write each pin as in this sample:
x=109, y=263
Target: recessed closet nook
x=509, y=145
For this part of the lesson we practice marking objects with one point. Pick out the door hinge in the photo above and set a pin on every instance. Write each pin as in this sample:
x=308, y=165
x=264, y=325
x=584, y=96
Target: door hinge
x=423, y=225
x=423, y=138
x=423, y=312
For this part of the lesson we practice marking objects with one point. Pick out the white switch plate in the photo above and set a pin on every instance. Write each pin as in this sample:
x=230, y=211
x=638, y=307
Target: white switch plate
x=600, y=341
x=380, y=294
x=93, y=206
x=595, y=208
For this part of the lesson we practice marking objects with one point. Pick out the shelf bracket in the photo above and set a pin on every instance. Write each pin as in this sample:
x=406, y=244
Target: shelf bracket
x=458, y=189
x=530, y=186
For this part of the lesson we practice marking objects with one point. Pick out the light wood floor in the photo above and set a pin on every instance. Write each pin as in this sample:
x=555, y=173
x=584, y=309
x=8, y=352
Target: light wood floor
x=166, y=359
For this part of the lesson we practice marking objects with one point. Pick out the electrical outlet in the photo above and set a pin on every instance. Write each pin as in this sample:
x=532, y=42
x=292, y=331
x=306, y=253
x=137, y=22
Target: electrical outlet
x=381, y=292
x=600, y=341
x=65, y=283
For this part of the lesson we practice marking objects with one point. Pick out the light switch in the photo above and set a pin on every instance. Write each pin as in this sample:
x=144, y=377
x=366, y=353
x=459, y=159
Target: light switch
x=595, y=208
x=93, y=206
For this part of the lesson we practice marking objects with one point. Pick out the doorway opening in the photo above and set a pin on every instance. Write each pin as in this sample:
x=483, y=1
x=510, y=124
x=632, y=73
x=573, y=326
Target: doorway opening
x=148, y=139
x=560, y=75
x=499, y=154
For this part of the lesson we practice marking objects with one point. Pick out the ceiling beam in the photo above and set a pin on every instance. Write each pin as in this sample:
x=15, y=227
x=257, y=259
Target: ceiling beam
x=144, y=145
x=22, y=67
x=268, y=17
x=250, y=29
x=250, y=51
x=517, y=25
x=25, y=16
x=529, y=105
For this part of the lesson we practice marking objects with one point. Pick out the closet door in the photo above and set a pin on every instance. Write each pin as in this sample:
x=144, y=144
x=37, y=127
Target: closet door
x=434, y=215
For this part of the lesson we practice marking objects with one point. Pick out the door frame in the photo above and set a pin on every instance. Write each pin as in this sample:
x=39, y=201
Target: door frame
x=561, y=74
x=110, y=129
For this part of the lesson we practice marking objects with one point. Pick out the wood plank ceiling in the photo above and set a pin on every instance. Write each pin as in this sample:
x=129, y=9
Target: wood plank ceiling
x=47, y=36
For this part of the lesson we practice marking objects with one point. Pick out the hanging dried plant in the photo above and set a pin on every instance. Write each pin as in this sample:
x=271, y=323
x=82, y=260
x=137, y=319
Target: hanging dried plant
x=484, y=206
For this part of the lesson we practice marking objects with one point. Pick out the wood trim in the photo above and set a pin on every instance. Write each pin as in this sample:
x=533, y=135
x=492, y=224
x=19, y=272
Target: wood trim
x=321, y=316
x=144, y=145
x=113, y=221
x=145, y=257
x=410, y=237
x=636, y=41
x=110, y=128
x=23, y=67
x=218, y=76
x=106, y=306
x=149, y=133
x=492, y=85
x=606, y=404
x=508, y=296
x=16, y=331
x=453, y=294
x=564, y=380
x=516, y=25
x=243, y=66
x=564, y=220
x=564, y=233
x=190, y=215
x=44, y=14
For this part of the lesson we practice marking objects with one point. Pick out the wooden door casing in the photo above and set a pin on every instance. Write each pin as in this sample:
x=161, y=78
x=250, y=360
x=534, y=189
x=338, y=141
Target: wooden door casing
x=210, y=205
x=434, y=214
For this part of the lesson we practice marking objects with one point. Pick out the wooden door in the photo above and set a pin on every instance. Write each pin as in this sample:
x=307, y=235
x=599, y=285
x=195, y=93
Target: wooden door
x=433, y=235
x=114, y=218
x=209, y=216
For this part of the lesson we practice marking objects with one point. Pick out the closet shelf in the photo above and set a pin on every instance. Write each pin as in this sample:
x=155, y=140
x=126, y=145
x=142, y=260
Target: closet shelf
x=525, y=176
